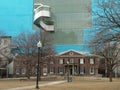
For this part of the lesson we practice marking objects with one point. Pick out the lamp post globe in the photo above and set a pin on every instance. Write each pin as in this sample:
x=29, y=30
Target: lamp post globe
x=39, y=44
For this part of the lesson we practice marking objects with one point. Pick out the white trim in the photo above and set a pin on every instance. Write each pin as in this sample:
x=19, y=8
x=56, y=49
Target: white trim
x=71, y=50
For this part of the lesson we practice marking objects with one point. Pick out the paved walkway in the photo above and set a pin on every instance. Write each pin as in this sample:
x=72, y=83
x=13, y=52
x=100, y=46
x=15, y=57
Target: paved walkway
x=33, y=86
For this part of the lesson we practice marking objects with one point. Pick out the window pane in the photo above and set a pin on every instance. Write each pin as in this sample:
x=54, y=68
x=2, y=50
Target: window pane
x=5, y=42
x=91, y=61
x=23, y=71
x=91, y=70
x=44, y=71
x=60, y=70
x=51, y=62
x=61, y=61
x=82, y=70
x=81, y=61
x=17, y=71
x=51, y=70
x=71, y=61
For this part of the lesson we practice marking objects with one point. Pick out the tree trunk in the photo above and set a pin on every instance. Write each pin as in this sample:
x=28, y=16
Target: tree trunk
x=110, y=76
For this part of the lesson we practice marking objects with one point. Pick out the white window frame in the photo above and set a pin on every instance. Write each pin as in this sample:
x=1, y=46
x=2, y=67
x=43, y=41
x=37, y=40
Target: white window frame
x=51, y=62
x=51, y=70
x=23, y=71
x=44, y=71
x=71, y=60
x=17, y=71
x=91, y=61
x=82, y=70
x=81, y=60
x=61, y=61
x=92, y=70
x=61, y=70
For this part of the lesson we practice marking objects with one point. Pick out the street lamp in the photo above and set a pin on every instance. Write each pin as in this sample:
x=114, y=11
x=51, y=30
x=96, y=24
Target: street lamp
x=39, y=45
x=68, y=72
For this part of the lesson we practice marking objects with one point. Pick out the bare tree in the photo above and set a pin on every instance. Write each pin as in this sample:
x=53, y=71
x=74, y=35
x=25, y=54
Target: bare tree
x=27, y=43
x=107, y=33
x=107, y=20
x=27, y=46
x=110, y=53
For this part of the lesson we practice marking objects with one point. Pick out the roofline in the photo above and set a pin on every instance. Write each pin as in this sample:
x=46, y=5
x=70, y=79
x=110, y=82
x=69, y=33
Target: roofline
x=71, y=50
x=5, y=36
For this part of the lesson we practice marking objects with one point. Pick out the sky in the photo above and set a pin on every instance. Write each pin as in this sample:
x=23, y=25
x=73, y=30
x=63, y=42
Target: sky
x=16, y=16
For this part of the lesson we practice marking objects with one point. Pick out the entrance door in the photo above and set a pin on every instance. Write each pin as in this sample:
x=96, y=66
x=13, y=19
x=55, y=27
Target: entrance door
x=71, y=71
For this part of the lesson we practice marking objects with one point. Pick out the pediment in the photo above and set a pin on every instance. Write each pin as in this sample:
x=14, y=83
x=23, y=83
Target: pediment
x=71, y=53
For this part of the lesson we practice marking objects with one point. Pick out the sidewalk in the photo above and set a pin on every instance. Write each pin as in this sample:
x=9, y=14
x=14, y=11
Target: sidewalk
x=33, y=86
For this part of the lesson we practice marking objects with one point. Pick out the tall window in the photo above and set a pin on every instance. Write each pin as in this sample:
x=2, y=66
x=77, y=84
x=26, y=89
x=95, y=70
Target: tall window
x=91, y=61
x=51, y=62
x=17, y=71
x=44, y=71
x=61, y=61
x=92, y=70
x=82, y=61
x=71, y=61
x=23, y=71
x=51, y=70
x=5, y=42
x=61, y=70
x=82, y=70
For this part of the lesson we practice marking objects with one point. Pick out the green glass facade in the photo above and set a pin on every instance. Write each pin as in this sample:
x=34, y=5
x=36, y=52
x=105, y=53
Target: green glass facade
x=70, y=18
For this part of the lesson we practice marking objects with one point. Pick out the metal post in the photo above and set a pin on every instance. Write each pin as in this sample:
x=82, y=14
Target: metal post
x=68, y=72
x=37, y=87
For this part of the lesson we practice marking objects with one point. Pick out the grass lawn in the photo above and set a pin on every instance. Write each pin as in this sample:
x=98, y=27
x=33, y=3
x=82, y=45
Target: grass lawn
x=86, y=83
x=78, y=83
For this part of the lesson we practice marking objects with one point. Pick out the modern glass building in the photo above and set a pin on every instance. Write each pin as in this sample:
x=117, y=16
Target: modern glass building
x=66, y=20
x=70, y=20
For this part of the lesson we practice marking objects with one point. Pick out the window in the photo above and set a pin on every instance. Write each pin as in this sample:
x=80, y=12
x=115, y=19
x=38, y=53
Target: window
x=60, y=70
x=51, y=70
x=91, y=70
x=17, y=71
x=91, y=61
x=61, y=61
x=82, y=70
x=82, y=61
x=51, y=62
x=44, y=71
x=5, y=42
x=23, y=71
x=71, y=61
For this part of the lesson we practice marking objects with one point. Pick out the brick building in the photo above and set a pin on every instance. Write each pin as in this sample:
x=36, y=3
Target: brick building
x=78, y=63
x=75, y=62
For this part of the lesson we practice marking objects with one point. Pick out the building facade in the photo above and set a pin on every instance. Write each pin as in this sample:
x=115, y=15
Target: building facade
x=5, y=48
x=67, y=19
x=74, y=62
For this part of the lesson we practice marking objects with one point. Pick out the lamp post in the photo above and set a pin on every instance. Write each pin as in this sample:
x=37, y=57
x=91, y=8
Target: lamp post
x=68, y=72
x=39, y=45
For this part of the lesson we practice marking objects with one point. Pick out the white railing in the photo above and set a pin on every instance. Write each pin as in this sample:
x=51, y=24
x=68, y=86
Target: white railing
x=47, y=27
x=42, y=11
